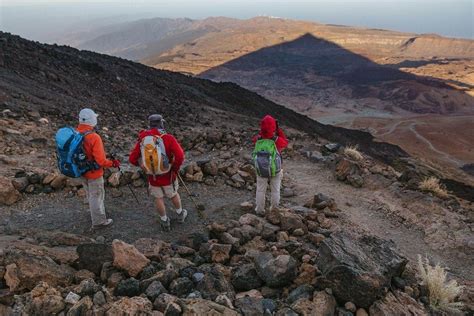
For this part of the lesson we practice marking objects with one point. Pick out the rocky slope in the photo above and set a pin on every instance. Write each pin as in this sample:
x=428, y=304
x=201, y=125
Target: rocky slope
x=232, y=261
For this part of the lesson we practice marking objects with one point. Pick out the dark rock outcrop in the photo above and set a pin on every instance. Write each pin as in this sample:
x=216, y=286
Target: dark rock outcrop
x=358, y=269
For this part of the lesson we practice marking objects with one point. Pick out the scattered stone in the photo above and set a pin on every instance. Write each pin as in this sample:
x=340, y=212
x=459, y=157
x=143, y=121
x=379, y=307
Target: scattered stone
x=302, y=291
x=350, y=307
x=192, y=307
x=247, y=206
x=128, y=258
x=154, y=290
x=361, y=312
x=224, y=300
x=250, y=306
x=99, y=298
x=245, y=278
x=45, y=300
x=129, y=287
x=181, y=286
x=173, y=309
x=8, y=194
x=92, y=256
x=83, y=307
x=279, y=271
x=150, y=248
x=20, y=183
x=72, y=298
x=130, y=306
x=162, y=301
x=325, y=303
x=87, y=287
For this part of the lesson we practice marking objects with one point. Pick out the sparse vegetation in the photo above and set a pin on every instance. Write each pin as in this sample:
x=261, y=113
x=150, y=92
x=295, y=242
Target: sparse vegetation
x=433, y=185
x=353, y=153
x=441, y=293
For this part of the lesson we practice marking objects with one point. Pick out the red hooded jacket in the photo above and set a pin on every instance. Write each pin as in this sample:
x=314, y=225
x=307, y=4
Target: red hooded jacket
x=173, y=150
x=268, y=130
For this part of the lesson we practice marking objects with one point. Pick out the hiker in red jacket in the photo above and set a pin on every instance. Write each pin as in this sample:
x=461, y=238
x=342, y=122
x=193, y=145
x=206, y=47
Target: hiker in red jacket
x=165, y=184
x=269, y=130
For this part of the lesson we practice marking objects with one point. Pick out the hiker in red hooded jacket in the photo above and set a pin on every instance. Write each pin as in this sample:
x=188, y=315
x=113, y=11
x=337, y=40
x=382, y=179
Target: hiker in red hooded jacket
x=166, y=184
x=269, y=130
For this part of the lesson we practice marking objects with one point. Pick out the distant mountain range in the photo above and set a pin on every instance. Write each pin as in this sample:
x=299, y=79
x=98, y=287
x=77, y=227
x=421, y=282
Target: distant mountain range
x=361, y=78
x=314, y=68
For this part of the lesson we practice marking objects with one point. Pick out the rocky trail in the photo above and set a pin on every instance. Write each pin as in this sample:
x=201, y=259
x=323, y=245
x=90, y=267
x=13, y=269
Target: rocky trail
x=362, y=209
x=372, y=211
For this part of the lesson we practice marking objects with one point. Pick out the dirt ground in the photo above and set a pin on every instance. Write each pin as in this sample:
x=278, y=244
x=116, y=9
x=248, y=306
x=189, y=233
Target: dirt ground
x=131, y=220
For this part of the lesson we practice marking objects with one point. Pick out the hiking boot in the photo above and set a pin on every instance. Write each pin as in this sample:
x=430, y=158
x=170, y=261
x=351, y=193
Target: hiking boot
x=182, y=216
x=107, y=222
x=165, y=225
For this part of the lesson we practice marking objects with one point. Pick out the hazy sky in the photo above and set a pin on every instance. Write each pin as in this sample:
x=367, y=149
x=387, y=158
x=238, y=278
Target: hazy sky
x=45, y=19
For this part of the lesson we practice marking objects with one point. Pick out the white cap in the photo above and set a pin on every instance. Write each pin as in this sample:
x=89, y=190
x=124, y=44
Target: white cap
x=88, y=117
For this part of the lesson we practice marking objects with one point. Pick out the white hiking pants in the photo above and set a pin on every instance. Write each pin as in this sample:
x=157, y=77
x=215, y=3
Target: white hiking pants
x=95, y=194
x=262, y=184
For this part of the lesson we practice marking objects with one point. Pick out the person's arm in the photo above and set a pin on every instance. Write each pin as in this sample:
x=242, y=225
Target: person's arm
x=135, y=154
x=281, y=141
x=98, y=152
x=177, y=152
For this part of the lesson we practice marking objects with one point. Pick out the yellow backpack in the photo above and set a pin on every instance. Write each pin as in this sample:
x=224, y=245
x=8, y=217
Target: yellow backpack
x=155, y=161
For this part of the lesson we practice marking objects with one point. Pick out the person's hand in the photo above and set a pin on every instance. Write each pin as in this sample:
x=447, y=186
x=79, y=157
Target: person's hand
x=116, y=163
x=174, y=175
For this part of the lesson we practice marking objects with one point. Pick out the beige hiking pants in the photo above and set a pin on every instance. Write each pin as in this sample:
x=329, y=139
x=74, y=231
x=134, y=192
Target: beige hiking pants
x=262, y=184
x=95, y=194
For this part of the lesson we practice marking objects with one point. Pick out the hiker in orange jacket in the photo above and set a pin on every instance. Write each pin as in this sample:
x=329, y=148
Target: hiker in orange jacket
x=93, y=180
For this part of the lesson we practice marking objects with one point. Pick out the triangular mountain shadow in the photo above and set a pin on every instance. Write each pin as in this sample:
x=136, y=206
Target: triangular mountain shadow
x=309, y=62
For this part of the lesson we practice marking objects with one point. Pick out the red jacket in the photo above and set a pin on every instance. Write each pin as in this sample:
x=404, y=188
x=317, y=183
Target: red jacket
x=94, y=149
x=268, y=130
x=173, y=150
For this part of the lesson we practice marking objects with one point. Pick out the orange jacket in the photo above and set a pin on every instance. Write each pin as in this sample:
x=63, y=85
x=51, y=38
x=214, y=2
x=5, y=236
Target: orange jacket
x=94, y=149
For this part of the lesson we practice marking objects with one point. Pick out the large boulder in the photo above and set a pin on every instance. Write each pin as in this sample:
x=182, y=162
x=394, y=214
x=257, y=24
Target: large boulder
x=25, y=271
x=92, y=256
x=128, y=258
x=358, y=269
x=130, y=306
x=193, y=307
x=276, y=272
x=8, y=194
x=397, y=303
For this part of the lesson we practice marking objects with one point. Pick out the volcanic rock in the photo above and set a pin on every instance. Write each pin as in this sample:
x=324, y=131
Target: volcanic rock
x=130, y=306
x=24, y=271
x=245, y=278
x=45, y=300
x=128, y=258
x=358, y=269
x=93, y=256
x=276, y=272
x=8, y=194
x=193, y=307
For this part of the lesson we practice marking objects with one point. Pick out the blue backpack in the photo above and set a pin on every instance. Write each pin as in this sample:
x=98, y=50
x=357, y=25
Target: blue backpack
x=72, y=160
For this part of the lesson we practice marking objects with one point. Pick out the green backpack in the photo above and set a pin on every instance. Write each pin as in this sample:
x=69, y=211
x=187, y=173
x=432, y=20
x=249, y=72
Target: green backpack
x=266, y=158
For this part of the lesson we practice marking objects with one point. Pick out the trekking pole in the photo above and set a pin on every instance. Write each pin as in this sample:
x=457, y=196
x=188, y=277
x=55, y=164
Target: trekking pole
x=198, y=207
x=130, y=187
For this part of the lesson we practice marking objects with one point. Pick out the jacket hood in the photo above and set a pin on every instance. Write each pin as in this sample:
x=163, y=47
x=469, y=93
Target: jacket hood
x=149, y=132
x=267, y=127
